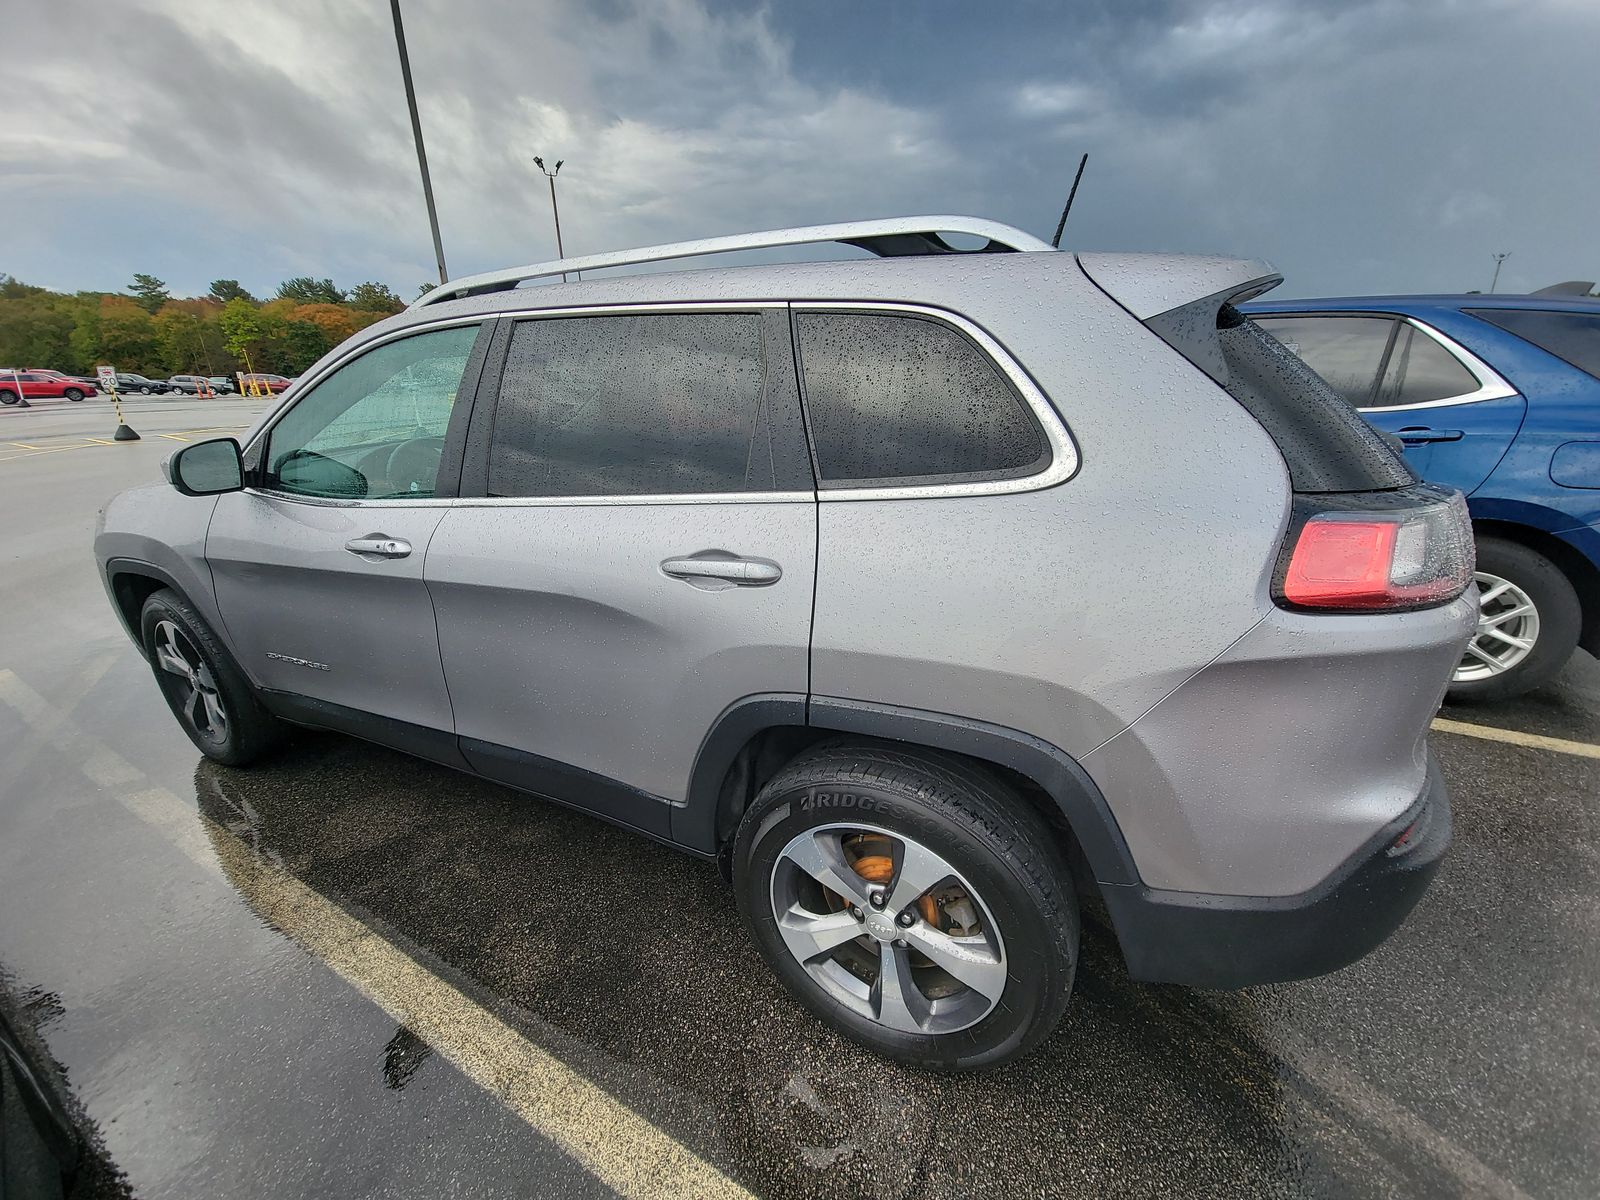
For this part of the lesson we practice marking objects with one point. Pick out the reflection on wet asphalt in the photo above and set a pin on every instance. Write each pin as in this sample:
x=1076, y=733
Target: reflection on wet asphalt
x=219, y=1056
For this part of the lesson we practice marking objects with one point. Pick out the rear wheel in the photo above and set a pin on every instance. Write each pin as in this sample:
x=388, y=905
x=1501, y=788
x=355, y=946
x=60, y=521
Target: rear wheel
x=912, y=902
x=1529, y=619
x=209, y=695
x=7, y=397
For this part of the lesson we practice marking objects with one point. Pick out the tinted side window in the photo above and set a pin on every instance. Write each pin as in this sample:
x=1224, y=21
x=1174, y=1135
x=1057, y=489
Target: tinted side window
x=1419, y=370
x=375, y=427
x=902, y=400
x=1345, y=351
x=647, y=404
x=1572, y=336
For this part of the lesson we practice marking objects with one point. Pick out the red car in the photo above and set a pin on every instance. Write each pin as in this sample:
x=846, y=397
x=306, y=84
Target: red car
x=272, y=384
x=35, y=385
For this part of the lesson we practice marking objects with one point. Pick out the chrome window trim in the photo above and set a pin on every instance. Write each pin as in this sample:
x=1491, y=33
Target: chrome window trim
x=1063, y=463
x=541, y=501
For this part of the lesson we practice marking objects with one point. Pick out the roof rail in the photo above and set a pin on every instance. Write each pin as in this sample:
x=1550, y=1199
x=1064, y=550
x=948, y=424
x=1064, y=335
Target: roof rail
x=893, y=237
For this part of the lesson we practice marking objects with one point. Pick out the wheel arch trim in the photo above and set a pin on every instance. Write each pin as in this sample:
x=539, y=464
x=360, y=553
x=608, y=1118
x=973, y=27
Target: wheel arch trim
x=1054, y=771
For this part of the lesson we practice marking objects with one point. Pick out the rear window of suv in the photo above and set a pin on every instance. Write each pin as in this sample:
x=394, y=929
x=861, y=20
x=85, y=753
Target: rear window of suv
x=1572, y=336
x=903, y=400
x=646, y=404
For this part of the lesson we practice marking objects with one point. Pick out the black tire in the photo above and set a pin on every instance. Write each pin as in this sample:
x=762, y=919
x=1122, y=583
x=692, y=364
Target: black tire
x=7, y=397
x=73, y=394
x=1560, y=620
x=248, y=730
x=144, y=391
x=992, y=838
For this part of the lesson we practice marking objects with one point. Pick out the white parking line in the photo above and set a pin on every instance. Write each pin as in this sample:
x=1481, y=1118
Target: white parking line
x=613, y=1143
x=1514, y=737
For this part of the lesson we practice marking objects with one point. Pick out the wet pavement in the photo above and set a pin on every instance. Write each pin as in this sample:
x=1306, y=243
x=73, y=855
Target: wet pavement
x=350, y=973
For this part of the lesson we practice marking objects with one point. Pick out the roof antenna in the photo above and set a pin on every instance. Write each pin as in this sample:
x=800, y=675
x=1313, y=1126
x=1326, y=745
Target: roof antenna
x=1062, y=224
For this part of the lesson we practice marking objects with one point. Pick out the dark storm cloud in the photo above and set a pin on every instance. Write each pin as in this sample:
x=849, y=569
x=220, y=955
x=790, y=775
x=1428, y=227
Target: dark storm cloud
x=1371, y=146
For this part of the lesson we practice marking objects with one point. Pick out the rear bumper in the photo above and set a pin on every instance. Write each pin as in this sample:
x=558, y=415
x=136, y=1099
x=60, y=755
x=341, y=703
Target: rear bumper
x=1213, y=941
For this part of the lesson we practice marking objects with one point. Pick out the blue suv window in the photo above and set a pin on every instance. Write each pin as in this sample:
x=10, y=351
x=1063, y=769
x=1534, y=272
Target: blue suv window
x=1572, y=336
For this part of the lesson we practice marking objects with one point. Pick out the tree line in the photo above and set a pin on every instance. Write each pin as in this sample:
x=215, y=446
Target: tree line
x=151, y=332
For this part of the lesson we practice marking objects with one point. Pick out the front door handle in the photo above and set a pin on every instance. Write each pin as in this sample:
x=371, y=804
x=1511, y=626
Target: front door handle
x=1416, y=435
x=377, y=546
x=714, y=570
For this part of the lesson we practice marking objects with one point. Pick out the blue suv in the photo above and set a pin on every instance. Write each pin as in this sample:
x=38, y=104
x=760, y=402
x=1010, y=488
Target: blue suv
x=1498, y=396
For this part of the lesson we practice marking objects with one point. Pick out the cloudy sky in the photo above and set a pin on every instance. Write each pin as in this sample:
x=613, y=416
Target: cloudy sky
x=1385, y=146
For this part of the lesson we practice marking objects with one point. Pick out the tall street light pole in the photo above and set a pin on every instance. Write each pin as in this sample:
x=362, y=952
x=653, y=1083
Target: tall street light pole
x=416, y=132
x=1498, y=259
x=551, y=174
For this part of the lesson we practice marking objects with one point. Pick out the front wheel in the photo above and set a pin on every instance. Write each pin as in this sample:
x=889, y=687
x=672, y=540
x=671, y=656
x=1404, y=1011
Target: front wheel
x=74, y=394
x=1529, y=620
x=912, y=902
x=206, y=691
x=144, y=391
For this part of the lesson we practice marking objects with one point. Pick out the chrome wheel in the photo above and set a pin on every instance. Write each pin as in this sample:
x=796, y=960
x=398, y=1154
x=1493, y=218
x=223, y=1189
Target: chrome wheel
x=193, y=687
x=1508, y=627
x=888, y=928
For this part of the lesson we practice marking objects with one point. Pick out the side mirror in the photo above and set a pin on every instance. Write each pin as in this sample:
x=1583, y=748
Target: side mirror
x=207, y=468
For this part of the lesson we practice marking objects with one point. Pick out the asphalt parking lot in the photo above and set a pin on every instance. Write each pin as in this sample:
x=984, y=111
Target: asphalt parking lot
x=350, y=973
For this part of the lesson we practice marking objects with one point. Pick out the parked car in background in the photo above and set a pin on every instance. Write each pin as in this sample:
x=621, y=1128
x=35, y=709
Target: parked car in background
x=92, y=383
x=269, y=383
x=32, y=385
x=862, y=579
x=129, y=383
x=1498, y=396
x=223, y=384
x=190, y=384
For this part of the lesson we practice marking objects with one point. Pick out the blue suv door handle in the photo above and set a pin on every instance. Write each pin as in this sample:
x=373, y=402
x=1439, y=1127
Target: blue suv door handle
x=1416, y=435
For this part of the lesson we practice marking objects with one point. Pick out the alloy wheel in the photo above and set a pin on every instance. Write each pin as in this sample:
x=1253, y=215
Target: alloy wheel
x=194, y=686
x=888, y=928
x=1508, y=627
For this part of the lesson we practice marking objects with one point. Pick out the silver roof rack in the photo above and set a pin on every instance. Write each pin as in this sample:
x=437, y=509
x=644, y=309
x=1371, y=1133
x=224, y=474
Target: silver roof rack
x=893, y=237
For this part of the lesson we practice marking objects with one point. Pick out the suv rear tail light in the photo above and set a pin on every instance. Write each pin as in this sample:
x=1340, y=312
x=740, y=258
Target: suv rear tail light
x=1376, y=551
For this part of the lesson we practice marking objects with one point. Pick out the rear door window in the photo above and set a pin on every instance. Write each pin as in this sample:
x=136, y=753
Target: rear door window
x=646, y=404
x=1572, y=336
x=1345, y=351
x=905, y=400
x=1420, y=370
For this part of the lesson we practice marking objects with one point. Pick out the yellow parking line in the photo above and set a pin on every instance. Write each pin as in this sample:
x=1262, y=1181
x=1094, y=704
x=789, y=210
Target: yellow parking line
x=98, y=441
x=177, y=437
x=22, y=446
x=1535, y=741
x=612, y=1142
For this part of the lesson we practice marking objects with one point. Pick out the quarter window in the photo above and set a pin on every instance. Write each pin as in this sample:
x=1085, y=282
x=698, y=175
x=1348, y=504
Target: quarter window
x=1572, y=336
x=1420, y=370
x=906, y=400
x=644, y=404
x=375, y=428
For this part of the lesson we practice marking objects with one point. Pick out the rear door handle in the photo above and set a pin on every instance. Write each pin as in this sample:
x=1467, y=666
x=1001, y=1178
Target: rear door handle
x=714, y=570
x=1418, y=434
x=378, y=546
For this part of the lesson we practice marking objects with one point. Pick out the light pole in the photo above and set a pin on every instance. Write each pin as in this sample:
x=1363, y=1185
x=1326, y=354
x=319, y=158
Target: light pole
x=1498, y=259
x=551, y=174
x=416, y=132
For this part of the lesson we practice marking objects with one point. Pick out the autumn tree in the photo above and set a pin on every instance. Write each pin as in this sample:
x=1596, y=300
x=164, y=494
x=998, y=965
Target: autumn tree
x=149, y=292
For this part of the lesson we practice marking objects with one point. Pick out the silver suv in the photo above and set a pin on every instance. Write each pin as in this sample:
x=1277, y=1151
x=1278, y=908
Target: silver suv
x=935, y=595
